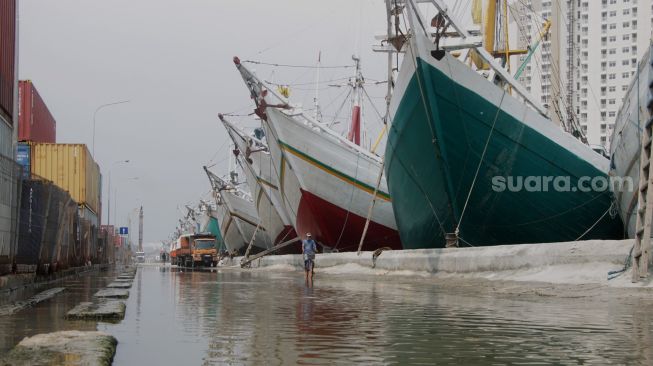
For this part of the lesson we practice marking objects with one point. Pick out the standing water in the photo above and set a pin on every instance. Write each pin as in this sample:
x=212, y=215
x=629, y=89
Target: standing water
x=255, y=317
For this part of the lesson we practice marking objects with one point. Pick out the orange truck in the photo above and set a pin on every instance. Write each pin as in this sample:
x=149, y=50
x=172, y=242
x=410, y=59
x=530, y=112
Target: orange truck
x=194, y=250
x=204, y=250
x=181, y=255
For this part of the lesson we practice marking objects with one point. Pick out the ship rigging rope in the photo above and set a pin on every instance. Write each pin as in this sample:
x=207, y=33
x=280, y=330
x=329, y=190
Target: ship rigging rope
x=596, y=223
x=428, y=115
x=308, y=83
x=299, y=66
x=554, y=66
x=480, y=161
x=351, y=198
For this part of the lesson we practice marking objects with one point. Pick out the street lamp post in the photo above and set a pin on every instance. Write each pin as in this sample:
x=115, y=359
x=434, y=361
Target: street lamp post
x=109, y=198
x=115, y=202
x=95, y=114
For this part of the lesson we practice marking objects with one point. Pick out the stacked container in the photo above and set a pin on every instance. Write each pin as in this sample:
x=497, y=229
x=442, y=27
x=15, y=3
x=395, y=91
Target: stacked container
x=35, y=122
x=69, y=166
x=7, y=59
x=9, y=170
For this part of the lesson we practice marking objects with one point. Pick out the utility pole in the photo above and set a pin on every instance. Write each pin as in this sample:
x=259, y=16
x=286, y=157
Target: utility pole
x=140, y=230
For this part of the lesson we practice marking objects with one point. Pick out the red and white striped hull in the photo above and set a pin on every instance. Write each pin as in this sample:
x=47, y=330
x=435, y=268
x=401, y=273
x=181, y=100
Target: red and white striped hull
x=330, y=185
x=326, y=182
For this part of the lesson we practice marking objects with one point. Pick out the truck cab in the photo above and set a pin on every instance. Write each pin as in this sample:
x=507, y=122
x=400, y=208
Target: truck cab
x=140, y=257
x=204, y=250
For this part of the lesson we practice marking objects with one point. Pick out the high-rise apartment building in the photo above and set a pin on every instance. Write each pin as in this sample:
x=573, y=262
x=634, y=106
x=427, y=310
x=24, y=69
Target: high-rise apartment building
x=586, y=62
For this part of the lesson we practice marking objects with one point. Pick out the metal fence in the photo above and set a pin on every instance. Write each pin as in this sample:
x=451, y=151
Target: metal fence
x=10, y=182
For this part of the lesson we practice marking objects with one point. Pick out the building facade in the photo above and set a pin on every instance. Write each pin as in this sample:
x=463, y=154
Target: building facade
x=585, y=64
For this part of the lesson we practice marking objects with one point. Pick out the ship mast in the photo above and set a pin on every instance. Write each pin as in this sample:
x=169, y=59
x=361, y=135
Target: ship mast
x=318, y=114
x=357, y=88
x=140, y=230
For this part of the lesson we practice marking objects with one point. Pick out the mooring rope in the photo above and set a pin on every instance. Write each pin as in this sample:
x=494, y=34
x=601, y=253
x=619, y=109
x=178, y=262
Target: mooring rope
x=480, y=162
x=596, y=223
x=627, y=264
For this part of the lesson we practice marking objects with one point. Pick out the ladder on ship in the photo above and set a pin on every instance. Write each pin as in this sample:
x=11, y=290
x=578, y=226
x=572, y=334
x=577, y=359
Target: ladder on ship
x=642, y=249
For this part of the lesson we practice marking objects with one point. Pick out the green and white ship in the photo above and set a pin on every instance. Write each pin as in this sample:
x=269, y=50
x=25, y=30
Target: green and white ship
x=458, y=131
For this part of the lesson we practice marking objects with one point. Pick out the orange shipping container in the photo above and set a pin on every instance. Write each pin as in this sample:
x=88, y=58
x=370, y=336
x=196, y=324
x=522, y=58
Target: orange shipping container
x=71, y=167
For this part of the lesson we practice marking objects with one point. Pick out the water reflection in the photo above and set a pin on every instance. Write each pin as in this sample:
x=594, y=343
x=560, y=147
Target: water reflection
x=235, y=317
x=48, y=316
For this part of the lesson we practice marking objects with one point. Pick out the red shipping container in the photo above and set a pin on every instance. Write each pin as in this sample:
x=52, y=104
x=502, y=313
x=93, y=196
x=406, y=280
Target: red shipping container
x=35, y=122
x=108, y=229
x=7, y=57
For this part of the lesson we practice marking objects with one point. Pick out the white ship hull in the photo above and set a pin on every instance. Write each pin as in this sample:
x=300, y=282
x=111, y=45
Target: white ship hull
x=276, y=226
x=625, y=146
x=326, y=182
x=245, y=219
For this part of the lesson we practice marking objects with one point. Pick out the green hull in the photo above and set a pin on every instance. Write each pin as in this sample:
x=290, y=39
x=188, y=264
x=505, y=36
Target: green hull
x=432, y=155
x=214, y=228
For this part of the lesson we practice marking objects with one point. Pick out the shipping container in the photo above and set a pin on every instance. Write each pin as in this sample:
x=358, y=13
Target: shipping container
x=6, y=138
x=23, y=157
x=71, y=167
x=10, y=180
x=7, y=58
x=87, y=214
x=33, y=207
x=35, y=122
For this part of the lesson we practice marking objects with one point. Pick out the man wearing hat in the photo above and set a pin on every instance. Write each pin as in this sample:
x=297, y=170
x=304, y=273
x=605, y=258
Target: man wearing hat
x=309, y=248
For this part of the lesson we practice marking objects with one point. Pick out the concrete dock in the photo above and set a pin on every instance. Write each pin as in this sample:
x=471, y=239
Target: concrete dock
x=580, y=262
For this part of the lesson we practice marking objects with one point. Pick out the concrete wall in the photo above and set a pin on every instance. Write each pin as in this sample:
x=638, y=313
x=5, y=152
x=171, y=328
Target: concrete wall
x=469, y=260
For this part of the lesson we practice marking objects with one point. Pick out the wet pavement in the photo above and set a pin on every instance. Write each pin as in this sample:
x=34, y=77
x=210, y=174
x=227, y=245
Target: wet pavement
x=49, y=315
x=261, y=317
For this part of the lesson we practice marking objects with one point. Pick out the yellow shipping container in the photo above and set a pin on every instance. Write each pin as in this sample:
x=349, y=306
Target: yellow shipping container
x=71, y=167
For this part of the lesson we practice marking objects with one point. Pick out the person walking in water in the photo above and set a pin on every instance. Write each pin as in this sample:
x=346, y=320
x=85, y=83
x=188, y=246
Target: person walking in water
x=309, y=248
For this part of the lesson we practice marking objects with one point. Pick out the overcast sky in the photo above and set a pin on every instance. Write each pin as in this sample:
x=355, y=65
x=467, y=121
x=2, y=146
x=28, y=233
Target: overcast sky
x=173, y=61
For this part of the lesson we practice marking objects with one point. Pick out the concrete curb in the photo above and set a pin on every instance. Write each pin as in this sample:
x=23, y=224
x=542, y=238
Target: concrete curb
x=101, y=310
x=470, y=260
x=67, y=347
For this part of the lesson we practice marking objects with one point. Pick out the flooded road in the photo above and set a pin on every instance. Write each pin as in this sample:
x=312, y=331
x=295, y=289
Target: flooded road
x=255, y=317
x=48, y=316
